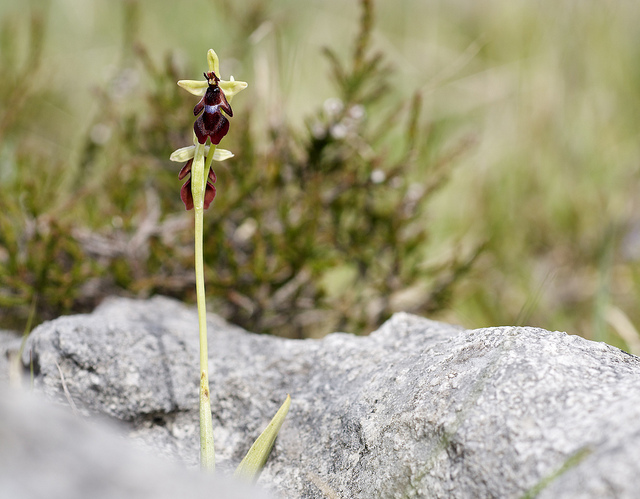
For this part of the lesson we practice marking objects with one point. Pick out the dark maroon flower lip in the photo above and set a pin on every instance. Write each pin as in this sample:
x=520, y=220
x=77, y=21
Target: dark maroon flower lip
x=185, y=191
x=186, y=169
x=212, y=123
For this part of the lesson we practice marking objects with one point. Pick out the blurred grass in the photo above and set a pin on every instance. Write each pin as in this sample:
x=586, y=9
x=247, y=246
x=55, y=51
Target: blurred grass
x=549, y=92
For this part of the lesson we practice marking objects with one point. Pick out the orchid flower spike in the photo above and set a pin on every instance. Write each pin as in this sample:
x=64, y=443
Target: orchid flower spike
x=210, y=124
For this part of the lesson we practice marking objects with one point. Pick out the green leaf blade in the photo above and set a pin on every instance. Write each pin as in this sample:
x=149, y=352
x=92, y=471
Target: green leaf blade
x=252, y=464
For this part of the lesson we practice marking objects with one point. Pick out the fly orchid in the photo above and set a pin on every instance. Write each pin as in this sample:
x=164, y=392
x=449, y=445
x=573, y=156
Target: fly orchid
x=216, y=95
x=211, y=125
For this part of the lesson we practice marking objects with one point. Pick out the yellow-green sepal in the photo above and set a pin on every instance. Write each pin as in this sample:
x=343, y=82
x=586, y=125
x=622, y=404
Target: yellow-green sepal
x=252, y=464
x=213, y=62
x=199, y=87
x=232, y=87
x=186, y=153
x=222, y=154
x=195, y=87
x=183, y=154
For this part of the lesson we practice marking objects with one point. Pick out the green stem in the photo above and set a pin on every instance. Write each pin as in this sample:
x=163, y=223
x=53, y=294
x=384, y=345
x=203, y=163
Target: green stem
x=198, y=183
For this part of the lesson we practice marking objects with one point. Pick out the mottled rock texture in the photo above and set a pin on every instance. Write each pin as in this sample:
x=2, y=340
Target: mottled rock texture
x=416, y=409
x=47, y=452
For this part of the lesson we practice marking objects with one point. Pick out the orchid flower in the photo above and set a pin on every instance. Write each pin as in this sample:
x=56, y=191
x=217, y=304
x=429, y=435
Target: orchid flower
x=211, y=125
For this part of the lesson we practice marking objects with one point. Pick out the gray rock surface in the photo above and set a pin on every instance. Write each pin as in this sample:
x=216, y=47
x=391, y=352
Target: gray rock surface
x=46, y=452
x=9, y=358
x=416, y=409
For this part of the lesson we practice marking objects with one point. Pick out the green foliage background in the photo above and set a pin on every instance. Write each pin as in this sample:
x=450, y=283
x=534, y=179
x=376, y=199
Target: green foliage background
x=476, y=162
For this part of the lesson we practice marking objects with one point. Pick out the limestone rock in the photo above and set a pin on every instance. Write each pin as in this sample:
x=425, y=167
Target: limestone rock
x=9, y=356
x=48, y=452
x=416, y=409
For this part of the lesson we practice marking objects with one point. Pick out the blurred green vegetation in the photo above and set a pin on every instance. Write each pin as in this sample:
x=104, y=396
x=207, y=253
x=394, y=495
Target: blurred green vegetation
x=474, y=162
